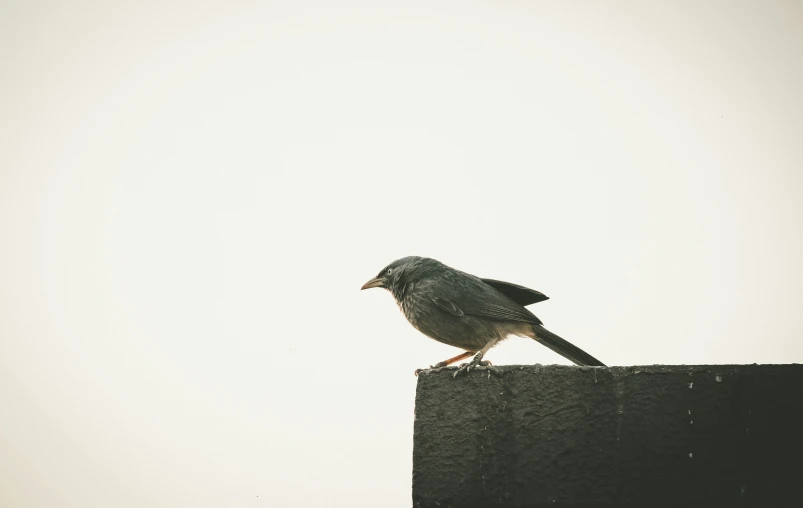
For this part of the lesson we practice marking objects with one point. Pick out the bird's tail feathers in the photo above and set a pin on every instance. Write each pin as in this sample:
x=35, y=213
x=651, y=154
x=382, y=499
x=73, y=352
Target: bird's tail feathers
x=564, y=347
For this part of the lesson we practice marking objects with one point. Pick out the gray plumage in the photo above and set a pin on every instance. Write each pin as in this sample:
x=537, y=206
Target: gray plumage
x=464, y=311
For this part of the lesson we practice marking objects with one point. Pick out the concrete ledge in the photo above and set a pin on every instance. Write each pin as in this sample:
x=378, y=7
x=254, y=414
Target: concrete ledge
x=711, y=435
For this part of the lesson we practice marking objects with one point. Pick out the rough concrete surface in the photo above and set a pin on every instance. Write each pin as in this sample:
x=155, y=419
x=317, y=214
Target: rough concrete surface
x=703, y=435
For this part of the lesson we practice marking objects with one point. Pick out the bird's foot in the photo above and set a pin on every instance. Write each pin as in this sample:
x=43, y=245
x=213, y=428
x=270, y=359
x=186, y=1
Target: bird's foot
x=475, y=362
x=433, y=368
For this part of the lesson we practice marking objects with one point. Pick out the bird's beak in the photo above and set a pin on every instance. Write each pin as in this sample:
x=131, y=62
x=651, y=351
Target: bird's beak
x=378, y=282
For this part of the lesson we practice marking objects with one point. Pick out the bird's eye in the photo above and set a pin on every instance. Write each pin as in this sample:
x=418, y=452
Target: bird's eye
x=390, y=271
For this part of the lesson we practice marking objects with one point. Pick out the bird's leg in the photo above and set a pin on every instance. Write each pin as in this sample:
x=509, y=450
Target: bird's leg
x=461, y=356
x=477, y=360
x=440, y=365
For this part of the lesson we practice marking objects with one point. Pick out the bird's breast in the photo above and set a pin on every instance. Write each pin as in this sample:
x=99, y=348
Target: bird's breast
x=414, y=308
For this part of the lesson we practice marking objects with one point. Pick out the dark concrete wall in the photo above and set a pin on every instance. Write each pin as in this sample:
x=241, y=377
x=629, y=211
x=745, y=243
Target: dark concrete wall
x=719, y=435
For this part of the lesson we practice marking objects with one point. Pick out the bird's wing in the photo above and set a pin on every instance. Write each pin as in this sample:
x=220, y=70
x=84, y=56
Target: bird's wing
x=472, y=297
x=448, y=306
x=496, y=312
x=519, y=294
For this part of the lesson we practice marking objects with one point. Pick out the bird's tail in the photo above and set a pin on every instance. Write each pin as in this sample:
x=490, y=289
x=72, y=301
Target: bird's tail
x=564, y=347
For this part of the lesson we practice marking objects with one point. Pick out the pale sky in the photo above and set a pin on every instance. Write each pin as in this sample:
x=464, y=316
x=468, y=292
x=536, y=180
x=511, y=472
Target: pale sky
x=192, y=194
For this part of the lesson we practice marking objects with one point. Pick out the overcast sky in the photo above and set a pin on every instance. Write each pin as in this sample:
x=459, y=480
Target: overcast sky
x=192, y=194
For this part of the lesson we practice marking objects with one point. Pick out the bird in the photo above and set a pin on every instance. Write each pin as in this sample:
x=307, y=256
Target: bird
x=465, y=311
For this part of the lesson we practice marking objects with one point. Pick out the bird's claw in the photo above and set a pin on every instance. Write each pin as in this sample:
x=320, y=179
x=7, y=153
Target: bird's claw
x=463, y=367
x=432, y=368
x=466, y=367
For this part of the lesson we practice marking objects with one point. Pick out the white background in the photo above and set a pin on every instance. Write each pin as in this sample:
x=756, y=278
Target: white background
x=192, y=193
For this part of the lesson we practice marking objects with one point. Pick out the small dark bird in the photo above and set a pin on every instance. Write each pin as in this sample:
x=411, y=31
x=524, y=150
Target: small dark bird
x=464, y=311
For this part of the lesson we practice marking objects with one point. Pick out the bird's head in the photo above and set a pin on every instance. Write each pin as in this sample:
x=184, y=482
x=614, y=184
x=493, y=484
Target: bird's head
x=401, y=272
